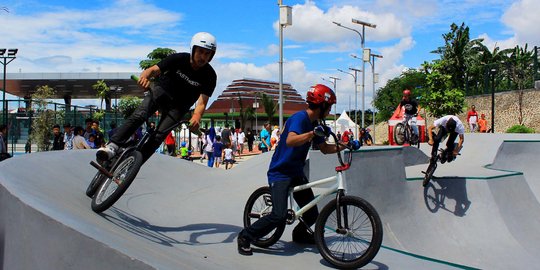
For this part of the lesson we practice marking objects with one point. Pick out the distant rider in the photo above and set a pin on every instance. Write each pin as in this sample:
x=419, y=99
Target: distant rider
x=447, y=125
x=411, y=108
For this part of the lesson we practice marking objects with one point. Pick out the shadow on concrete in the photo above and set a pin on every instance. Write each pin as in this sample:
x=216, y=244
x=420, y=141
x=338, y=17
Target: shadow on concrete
x=443, y=188
x=157, y=234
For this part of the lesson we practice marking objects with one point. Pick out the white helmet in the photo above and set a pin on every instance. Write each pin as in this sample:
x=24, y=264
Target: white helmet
x=203, y=40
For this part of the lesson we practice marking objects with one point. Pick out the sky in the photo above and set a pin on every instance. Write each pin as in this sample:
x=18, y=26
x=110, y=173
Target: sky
x=114, y=35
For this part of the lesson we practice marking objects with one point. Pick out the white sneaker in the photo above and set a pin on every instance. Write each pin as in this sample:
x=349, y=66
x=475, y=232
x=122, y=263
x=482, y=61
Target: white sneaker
x=107, y=152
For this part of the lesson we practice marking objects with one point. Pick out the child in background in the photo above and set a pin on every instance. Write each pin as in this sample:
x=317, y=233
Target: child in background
x=184, y=151
x=218, y=151
x=482, y=123
x=228, y=157
x=91, y=141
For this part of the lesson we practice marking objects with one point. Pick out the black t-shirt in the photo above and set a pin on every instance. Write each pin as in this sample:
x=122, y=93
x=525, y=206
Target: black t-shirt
x=181, y=82
x=413, y=109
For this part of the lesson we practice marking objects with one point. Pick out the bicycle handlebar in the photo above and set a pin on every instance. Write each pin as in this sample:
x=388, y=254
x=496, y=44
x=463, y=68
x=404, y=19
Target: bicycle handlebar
x=344, y=165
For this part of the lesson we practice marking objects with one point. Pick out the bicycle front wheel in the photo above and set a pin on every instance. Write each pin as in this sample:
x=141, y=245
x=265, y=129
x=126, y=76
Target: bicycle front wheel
x=94, y=184
x=112, y=188
x=359, y=238
x=259, y=205
x=429, y=173
x=399, y=133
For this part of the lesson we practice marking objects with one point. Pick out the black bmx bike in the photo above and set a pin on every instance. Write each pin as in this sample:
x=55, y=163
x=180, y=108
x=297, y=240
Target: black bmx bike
x=404, y=133
x=441, y=156
x=348, y=230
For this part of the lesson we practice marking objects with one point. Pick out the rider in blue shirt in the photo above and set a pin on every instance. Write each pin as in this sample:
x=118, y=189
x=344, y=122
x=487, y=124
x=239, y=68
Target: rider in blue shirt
x=286, y=169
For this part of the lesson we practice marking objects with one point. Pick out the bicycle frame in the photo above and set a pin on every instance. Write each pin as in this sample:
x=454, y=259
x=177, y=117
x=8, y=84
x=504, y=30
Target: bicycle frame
x=338, y=185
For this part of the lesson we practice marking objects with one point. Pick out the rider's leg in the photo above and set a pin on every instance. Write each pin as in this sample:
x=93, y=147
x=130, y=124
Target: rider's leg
x=301, y=233
x=450, y=146
x=263, y=226
x=124, y=132
x=169, y=120
x=437, y=138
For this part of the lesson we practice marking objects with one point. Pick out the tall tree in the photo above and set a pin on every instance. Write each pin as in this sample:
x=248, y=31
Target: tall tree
x=270, y=106
x=103, y=93
x=43, y=122
x=519, y=68
x=155, y=56
x=441, y=98
x=457, y=49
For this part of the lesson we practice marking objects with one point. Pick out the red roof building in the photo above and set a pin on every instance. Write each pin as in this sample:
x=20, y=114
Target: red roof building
x=247, y=92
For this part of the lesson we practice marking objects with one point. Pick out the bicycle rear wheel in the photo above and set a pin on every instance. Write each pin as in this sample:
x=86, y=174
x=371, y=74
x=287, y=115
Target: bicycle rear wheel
x=259, y=205
x=112, y=188
x=358, y=241
x=399, y=133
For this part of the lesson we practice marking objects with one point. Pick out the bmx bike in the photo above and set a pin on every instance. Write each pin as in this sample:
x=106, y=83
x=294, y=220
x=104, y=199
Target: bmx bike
x=428, y=173
x=404, y=133
x=348, y=230
x=116, y=175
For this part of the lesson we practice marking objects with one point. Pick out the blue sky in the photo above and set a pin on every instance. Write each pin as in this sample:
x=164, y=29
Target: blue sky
x=114, y=35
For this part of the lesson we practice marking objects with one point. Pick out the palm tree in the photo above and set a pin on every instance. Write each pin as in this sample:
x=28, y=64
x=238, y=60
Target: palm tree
x=270, y=106
x=103, y=93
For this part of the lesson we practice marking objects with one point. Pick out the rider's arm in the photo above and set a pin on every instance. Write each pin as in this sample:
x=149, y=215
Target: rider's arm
x=147, y=74
x=330, y=148
x=459, y=145
x=294, y=139
x=430, y=134
x=195, y=120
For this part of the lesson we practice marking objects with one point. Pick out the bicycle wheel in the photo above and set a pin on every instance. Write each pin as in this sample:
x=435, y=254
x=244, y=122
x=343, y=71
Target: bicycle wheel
x=112, y=188
x=94, y=184
x=429, y=173
x=359, y=239
x=399, y=134
x=259, y=205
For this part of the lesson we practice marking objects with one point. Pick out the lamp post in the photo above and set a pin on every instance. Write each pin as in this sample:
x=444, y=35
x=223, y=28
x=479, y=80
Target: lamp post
x=6, y=59
x=372, y=62
x=355, y=112
x=256, y=107
x=116, y=89
x=333, y=81
x=493, y=71
x=362, y=38
x=285, y=18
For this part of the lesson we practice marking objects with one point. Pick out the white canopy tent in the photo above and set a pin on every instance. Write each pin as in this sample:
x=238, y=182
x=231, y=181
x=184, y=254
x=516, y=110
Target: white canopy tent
x=343, y=123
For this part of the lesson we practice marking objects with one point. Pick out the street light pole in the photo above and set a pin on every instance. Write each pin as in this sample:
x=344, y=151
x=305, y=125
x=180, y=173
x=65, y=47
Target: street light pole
x=355, y=113
x=6, y=59
x=285, y=18
x=493, y=72
x=373, y=56
x=355, y=101
x=333, y=81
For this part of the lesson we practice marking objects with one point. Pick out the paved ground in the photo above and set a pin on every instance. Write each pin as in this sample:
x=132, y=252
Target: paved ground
x=179, y=215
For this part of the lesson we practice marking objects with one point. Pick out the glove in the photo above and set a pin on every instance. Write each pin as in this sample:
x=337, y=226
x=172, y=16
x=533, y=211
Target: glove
x=354, y=144
x=322, y=131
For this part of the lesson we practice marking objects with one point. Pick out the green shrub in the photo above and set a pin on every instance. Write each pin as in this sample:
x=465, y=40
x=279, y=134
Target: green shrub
x=520, y=129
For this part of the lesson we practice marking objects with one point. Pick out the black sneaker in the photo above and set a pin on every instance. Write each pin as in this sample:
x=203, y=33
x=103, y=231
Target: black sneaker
x=244, y=247
x=306, y=238
x=442, y=158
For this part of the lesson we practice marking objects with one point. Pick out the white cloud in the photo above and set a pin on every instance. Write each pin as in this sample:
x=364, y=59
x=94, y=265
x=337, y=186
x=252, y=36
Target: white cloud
x=312, y=24
x=522, y=17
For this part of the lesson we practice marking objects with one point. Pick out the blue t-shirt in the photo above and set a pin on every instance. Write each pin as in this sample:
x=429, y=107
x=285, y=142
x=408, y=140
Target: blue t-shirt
x=265, y=135
x=218, y=147
x=288, y=162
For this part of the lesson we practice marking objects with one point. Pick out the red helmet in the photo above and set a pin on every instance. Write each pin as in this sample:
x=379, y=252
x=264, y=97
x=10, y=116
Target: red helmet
x=406, y=92
x=321, y=94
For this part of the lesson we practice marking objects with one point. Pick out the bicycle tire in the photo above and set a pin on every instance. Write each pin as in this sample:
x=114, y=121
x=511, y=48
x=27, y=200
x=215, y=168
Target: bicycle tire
x=399, y=134
x=94, y=184
x=429, y=173
x=125, y=172
x=257, y=206
x=363, y=240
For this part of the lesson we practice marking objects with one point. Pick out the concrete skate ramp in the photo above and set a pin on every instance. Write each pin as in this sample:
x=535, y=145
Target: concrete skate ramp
x=179, y=215
x=176, y=215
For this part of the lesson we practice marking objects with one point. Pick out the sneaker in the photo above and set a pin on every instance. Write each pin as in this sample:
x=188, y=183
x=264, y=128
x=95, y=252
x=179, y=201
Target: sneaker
x=305, y=238
x=442, y=158
x=107, y=152
x=244, y=247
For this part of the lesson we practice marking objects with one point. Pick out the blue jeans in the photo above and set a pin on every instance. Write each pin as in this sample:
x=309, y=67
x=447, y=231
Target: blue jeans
x=210, y=159
x=280, y=191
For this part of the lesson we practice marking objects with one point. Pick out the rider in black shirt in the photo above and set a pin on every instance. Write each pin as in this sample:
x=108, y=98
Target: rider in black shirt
x=180, y=80
x=411, y=107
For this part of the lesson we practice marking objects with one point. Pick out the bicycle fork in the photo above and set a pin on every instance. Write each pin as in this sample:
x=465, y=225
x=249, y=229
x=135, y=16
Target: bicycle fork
x=340, y=228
